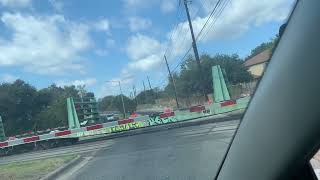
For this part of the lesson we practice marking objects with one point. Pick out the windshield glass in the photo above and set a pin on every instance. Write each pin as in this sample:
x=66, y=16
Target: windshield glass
x=131, y=89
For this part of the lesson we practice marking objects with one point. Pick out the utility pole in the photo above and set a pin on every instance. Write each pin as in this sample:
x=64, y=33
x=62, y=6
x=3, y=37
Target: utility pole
x=173, y=82
x=144, y=87
x=195, y=49
x=149, y=83
x=151, y=91
x=135, y=94
x=144, y=93
x=124, y=109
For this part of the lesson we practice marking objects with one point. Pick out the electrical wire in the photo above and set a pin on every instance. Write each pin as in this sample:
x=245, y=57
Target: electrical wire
x=212, y=18
x=209, y=17
x=215, y=20
x=199, y=34
x=175, y=26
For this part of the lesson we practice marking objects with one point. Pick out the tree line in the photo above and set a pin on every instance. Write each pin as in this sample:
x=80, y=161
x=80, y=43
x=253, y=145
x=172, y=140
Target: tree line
x=23, y=108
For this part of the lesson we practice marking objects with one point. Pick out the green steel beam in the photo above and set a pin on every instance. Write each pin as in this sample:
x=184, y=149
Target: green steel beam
x=217, y=90
x=226, y=95
x=220, y=90
x=72, y=115
x=76, y=120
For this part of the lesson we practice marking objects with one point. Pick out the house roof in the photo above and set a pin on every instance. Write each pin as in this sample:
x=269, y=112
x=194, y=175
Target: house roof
x=262, y=57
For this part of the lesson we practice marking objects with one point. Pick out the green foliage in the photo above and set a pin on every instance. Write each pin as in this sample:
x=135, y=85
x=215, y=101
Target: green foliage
x=189, y=82
x=263, y=46
x=23, y=108
x=114, y=103
x=146, y=97
x=52, y=102
x=17, y=108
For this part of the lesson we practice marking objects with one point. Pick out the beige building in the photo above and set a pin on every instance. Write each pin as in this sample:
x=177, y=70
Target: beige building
x=257, y=64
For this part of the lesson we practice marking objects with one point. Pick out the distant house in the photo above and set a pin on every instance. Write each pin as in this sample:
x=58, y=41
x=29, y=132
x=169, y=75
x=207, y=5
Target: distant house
x=257, y=64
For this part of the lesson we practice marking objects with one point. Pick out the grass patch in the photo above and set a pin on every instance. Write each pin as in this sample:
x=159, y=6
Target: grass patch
x=35, y=169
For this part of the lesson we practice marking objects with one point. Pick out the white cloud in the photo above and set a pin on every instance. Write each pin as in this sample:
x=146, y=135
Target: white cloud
x=87, y=82
x=134, y=5
x=8, y=78
x=146, y=53
x=111, y=42
x=44, y=44
x=111, y=87
x=168, y=6
x=15, y=3
x=147, y=63
x=137, y=23
x=101, y=52
x=140, y=46
x=133, y=2
x=103, y=25
x=57, y=5
x=236, y=19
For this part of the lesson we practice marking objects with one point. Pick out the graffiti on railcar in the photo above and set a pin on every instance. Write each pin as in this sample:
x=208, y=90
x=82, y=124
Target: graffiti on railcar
x=125, y=127
x=156, y=120
x=206, y=112
x=107, y=130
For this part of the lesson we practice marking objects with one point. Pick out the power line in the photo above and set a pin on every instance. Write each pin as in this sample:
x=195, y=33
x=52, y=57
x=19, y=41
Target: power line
x=182, y=42
x=209, y=17
x=185, y=34
x=215, y=20
x=182, y=59
x=204, y=29
x=175, y=27
x=198, y=35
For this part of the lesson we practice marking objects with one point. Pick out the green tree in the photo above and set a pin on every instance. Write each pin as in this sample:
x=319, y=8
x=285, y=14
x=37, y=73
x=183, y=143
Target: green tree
x=189, y=82
x=114, y=103
x=146, y=97
x=264, y=46
x=52, y=102
x=17, y=106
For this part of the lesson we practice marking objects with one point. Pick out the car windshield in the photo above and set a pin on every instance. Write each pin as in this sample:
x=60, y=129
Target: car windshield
x=130, y=89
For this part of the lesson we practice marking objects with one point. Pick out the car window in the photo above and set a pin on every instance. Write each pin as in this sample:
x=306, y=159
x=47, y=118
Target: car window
x=164, y=84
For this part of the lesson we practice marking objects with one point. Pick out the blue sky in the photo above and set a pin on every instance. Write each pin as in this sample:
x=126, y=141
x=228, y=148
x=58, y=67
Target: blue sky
x=93, y=41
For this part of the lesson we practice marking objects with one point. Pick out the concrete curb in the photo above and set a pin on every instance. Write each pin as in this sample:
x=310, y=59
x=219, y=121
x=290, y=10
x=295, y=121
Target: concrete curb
x=52, y=175
x=156, y=128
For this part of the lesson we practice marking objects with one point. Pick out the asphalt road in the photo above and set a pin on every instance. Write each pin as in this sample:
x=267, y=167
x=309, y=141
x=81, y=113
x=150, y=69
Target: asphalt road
x=188, y=153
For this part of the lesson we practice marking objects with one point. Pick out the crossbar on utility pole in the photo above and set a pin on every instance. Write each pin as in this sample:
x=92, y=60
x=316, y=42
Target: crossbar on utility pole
x=173, y=82
x=195, y=49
